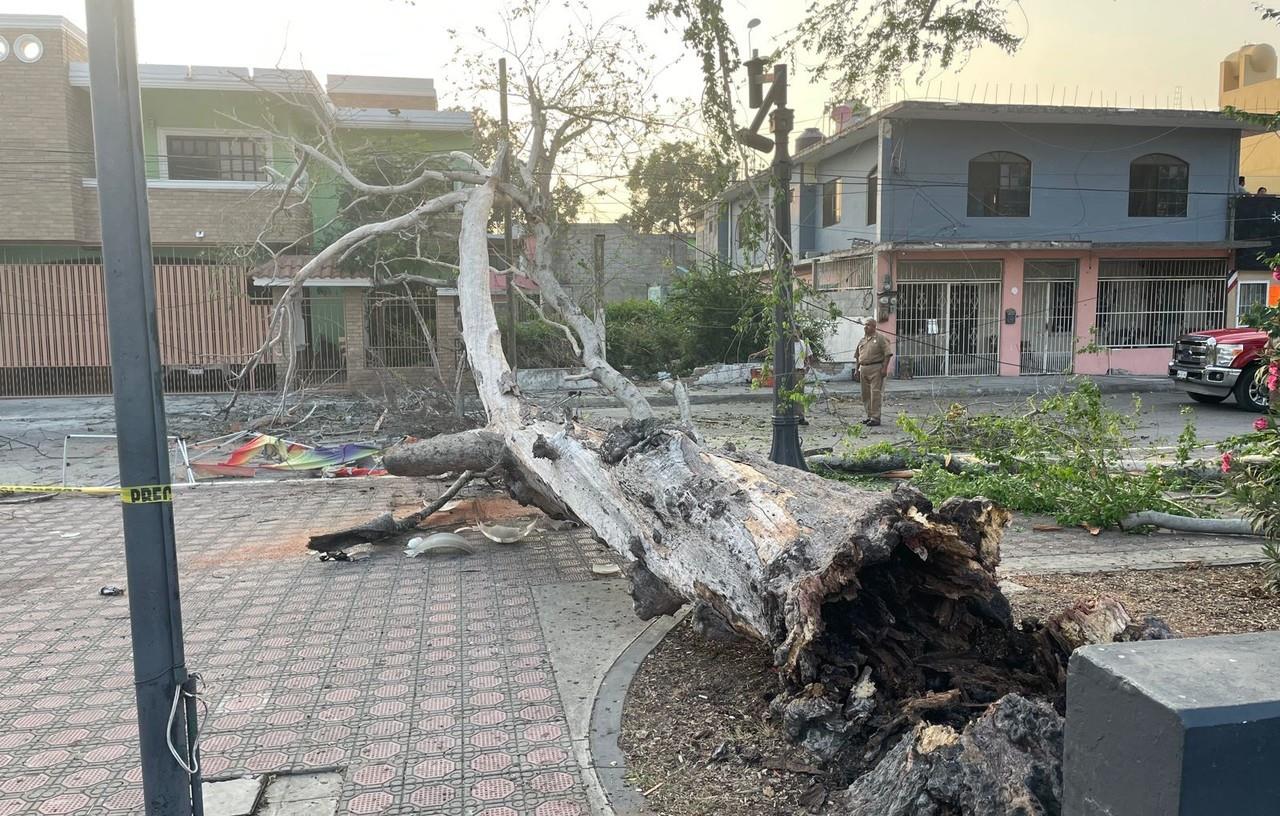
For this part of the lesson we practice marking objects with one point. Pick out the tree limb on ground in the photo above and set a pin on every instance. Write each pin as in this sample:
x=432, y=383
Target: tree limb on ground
x=386, y=525
x=1186, y=524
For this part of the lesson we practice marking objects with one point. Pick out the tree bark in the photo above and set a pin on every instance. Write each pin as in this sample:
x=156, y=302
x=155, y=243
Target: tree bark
x=1008, y=761
x=775, y=551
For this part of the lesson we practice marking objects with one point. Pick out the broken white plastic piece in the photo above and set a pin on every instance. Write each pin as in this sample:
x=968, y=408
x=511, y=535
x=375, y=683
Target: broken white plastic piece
x=437, y=543
x=506, y=534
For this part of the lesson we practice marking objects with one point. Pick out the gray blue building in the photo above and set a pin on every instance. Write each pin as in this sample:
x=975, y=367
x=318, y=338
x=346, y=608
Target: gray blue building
x=1010, y=239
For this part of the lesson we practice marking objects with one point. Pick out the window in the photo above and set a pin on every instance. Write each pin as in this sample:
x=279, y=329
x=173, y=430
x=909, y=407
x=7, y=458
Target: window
x=28, y=48
x=1250, y=295
x=1150, y=303
x=1158, y=187
x=216, y=158
x=258, y=295
x=1000, y=185
x=844, y=273
x=873, y=191
x=831, y=192
x=395, y=321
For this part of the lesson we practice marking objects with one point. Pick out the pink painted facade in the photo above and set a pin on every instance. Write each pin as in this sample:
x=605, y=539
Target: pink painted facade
x=1011, y=341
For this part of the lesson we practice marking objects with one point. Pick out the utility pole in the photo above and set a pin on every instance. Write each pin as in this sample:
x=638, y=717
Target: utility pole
x=597, y=258
x=155, y=613
x=506, y=217
x=785, y=449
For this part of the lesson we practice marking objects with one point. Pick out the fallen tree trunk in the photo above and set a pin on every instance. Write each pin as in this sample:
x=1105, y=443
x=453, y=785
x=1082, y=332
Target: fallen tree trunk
x=883, y=612
x=904, y=460
x=831, y=577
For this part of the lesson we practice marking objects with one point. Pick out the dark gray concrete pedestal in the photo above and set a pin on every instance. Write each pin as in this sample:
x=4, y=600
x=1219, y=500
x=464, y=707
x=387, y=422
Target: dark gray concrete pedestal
x=1185, y=727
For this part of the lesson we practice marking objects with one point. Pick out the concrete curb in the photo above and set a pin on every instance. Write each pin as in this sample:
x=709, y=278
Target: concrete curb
x=609, y=763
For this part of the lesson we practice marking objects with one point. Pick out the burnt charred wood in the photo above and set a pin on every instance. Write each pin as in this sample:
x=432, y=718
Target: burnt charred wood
x=386, y=525
x=1008, y=761
x=650, y=596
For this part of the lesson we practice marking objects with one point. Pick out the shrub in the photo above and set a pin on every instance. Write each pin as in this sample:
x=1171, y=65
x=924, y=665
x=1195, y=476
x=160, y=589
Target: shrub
x=641, y=336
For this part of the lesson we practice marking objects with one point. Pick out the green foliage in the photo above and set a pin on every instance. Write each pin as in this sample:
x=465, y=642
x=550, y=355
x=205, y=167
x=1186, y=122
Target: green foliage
x=643, y=337
x=1188, y=439
x=543, y=346
x=1252, y=461
x=856, y=45
x=722, y=312
x=1062, y=457
x=671, y=184
x=1271, y=567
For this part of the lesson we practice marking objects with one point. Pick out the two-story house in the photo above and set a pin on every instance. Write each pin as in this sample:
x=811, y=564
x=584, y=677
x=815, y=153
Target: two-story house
x=998, y=239
x=217, y=165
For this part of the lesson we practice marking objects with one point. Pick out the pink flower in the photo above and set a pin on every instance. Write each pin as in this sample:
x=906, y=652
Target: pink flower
x=1261, y=424
x=1275, y=272
x=1273, y=381
x=1226, y=462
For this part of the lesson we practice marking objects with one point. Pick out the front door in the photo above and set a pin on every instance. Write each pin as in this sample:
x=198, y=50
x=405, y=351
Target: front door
x=949, y=328
x=1049, y=325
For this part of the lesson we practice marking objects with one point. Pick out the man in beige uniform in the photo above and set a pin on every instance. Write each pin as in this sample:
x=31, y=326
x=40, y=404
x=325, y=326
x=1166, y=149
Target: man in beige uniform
x=873, y=365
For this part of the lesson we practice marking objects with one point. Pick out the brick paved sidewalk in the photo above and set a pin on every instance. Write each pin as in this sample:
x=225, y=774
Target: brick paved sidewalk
x=426, y=680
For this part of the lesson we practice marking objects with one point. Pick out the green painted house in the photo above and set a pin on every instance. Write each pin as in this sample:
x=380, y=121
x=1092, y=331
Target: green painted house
x=219, y=145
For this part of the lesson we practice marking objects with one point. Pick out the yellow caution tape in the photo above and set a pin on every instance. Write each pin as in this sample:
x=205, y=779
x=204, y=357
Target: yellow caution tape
x=147, y=494
x=143, y=494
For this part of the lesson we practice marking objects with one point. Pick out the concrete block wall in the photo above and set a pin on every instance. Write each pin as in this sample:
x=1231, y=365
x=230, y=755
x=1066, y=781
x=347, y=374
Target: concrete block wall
x=632, y=261
x=37, y=100
x=226, y=217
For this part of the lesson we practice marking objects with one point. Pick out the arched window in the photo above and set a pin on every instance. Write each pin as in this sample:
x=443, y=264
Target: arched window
x=873, y=191
x=1000, y=185
x=1158, y=186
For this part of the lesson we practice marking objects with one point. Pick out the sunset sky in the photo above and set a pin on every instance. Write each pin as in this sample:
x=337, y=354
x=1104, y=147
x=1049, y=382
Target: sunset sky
x=1126, y=52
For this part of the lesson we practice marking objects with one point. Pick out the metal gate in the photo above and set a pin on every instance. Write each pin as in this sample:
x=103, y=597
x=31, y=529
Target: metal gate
x=948, y=318
x=1048, y=317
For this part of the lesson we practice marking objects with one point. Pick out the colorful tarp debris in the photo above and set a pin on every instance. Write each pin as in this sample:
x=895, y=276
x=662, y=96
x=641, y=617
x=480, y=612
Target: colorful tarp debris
x=270, y=453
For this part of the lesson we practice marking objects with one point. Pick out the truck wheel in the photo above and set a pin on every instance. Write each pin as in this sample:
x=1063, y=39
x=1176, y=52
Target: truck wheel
x=1211, y=399
x=1251, y=392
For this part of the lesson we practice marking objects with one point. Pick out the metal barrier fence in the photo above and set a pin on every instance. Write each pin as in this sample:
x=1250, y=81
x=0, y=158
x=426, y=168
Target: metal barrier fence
x=53, y=336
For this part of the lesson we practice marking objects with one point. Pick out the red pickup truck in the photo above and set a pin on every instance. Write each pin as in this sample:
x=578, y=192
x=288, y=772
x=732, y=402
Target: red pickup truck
x=1216, y=364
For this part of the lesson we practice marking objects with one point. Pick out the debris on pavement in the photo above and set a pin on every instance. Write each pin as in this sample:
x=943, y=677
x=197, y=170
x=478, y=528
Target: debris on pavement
x=111, y=591
x=273, y=454
x=605, y=570
x=437, y=543
x=505, y=533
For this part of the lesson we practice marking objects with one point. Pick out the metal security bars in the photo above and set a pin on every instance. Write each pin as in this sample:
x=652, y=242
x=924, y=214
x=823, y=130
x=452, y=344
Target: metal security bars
x=1149, y=303
x=1048, y=317
x=216, y=158
x=948, y=318
x=843, y=273
x=395, y=320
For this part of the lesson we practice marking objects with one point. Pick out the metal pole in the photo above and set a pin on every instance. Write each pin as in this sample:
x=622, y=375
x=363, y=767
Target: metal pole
x=506, y=219
x=785, y=449
x=597, y=259
x=155, y=616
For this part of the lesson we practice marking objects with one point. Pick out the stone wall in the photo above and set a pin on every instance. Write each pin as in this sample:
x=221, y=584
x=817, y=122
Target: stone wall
x=632, y=261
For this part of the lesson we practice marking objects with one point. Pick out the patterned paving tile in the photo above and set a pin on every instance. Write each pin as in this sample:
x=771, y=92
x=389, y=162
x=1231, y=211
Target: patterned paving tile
x=425, y=679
